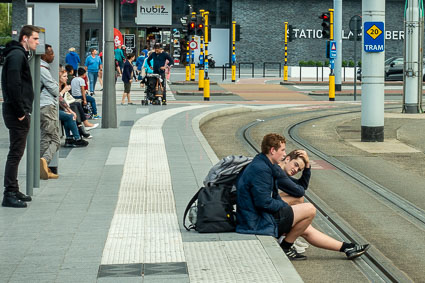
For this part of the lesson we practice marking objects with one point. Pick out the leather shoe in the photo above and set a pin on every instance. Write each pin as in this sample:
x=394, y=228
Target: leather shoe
x=23, y=197
x=51, y=175
x=11, y=200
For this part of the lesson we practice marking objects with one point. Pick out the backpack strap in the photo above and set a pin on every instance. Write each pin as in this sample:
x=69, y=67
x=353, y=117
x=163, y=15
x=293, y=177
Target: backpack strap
x=189, y=205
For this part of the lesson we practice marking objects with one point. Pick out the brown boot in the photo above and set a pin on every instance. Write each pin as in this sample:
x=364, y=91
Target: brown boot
x=44, y=169
x=52, y=175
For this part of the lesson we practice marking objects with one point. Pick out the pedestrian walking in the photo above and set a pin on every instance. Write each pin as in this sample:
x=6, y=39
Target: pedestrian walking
x=159, y=57
x=119, y=56
x=93, y=66
x=72, y=59
x=127, y=78
x=18, y=95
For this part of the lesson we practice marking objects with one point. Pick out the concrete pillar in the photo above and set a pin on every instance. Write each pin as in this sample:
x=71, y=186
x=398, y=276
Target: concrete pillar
x=372, y=117
x=338, y=39
x=109, y=105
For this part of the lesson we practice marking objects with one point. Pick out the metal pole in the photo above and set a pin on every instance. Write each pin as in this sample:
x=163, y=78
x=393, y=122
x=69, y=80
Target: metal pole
x=201, y=60
x=30, y=138
x=355, y=58
x=331, y=61
x=187, y=62
x=338, y=39
x=36, y=123
x=192, y=57
x=233, y=51
x=285, y=65
x=206, y=79
x=372, y=117
x=413, y=43
x=109, y=105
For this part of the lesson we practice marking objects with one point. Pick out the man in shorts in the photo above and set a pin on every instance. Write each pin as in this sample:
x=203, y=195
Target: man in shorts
x=261, y=211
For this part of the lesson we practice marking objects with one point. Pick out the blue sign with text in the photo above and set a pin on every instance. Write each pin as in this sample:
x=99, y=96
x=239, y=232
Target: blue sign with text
x=374, y=36
x=332, y=49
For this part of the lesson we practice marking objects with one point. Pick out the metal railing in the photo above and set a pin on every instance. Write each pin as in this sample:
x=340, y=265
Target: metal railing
x=246, y=63
x=272, y=63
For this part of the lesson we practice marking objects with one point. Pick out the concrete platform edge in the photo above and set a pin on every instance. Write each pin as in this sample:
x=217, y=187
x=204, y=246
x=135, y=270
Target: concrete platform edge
x=284, y=267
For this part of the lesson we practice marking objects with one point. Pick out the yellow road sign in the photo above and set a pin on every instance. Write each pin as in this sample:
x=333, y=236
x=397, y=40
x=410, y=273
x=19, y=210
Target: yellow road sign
x=374, y=32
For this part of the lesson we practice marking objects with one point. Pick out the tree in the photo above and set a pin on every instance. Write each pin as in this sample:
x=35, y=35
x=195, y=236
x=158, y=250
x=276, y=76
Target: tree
x=5, y=23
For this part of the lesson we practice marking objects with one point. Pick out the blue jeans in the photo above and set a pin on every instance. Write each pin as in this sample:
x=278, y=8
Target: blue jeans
x=92, y=80
x=91, y=100
x=69, y=124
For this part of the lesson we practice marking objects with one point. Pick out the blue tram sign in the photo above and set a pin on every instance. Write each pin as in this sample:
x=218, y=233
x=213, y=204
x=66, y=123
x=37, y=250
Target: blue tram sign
x=374, y=39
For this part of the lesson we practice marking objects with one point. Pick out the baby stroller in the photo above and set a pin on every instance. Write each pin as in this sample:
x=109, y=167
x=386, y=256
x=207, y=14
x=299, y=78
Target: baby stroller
x=154, y=90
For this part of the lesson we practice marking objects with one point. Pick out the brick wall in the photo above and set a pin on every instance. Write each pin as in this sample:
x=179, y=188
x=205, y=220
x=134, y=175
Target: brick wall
x=262, y=27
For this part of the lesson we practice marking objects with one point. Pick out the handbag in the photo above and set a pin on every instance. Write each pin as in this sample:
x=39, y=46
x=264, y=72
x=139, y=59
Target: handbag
x=68, y=98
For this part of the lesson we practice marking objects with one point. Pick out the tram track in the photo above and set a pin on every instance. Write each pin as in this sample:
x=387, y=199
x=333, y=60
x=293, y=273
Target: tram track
x=374, y=265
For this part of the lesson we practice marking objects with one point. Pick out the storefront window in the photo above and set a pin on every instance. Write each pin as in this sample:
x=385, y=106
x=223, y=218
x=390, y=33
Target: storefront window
x=220, y=11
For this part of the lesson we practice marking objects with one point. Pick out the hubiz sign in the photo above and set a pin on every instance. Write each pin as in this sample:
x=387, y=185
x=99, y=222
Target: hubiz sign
x=154, y=12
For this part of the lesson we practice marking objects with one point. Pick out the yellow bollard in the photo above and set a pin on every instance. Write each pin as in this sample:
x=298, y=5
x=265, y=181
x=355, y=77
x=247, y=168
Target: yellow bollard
x=285, y=73
x=331, y=87
x=192, y=72
x=207, y=89
x=187, y=73
x=233, y=73
x=201, y=79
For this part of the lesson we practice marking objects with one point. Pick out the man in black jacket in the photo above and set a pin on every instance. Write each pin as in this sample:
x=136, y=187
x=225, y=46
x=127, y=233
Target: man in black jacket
x=18, y=95
x=159, y=57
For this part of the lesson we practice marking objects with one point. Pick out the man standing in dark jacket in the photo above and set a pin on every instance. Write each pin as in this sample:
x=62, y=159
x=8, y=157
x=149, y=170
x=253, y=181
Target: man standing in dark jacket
x=261, y=211
x=159, y=57
x=18, y=96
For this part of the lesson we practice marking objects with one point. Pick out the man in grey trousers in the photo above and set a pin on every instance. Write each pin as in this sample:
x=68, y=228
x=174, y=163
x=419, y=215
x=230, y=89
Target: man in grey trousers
x=49, y=117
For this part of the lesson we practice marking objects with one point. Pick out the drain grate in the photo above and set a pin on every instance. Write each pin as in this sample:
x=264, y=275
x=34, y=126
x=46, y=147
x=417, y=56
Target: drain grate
x=147, y=269
x=120, y=270
x=168, y=268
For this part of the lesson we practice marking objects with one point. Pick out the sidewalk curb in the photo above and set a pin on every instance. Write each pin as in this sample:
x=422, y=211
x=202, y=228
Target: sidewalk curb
x=283, y=266
x=201, y=93
x=190, y=83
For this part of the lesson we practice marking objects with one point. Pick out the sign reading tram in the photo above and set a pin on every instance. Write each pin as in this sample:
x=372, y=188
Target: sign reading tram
x=374, y=38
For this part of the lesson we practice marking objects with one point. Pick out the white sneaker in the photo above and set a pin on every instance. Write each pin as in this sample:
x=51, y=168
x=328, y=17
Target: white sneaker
x=301, y=243
x=299, y=249
x=92, y=127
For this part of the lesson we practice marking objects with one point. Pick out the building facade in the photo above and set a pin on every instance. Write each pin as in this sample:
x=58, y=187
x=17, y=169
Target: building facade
x=261, y=22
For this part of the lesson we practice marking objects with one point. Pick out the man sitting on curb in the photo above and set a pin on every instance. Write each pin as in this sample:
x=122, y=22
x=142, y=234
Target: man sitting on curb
x=258, y=204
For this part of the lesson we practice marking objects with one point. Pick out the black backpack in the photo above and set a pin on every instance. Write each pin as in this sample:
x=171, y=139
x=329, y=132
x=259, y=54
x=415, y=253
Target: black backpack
x=211, y=209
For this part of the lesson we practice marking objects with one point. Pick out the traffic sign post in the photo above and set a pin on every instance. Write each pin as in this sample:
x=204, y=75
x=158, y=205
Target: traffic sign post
x=201, y=55
x=332, y=45
x=373, y=58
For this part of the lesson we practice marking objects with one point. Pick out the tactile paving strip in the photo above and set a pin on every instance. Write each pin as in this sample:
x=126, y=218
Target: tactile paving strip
x=144, y=228
x=229, y=261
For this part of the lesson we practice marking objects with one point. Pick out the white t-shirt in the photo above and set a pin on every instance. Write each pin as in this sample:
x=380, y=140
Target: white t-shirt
x=76, y=85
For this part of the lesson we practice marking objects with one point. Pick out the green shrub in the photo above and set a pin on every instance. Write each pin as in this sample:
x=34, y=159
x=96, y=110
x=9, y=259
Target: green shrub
x=351, y=63
x=311, y=63
x=327, y=63
x=302, y=63
x=319, y=64
x=344, y=63
x=359, y=64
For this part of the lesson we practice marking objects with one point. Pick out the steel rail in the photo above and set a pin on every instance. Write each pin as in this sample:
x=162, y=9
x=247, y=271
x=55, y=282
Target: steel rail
x=373, y=264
